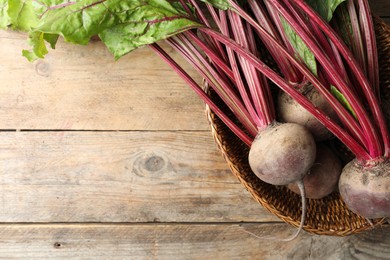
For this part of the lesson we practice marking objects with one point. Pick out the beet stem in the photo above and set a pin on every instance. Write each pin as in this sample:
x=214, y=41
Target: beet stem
x=373, y=141
x=371, y=49
x=216, y=81
x=290, y=72
x=256, y=89
x=345, y=117
x=285, y=86
x=372, y=101
x=198, y=90
x=357, y=41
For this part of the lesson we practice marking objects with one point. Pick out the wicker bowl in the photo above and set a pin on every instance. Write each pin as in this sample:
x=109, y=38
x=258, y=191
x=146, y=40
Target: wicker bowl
x=327, y=216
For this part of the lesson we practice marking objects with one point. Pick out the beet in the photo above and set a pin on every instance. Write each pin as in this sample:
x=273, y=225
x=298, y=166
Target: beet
x=290, y=111
x=282, y=153
x=365, y=189
x=323, y=177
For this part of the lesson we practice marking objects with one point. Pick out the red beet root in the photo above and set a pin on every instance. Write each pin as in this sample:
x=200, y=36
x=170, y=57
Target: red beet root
x=366, y=189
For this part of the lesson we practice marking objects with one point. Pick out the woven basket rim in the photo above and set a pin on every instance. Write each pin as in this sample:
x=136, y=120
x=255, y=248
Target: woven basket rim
x=322, y=225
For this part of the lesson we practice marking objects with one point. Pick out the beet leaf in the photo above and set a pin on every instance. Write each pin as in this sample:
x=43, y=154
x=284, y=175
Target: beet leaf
x=4, y=18
x=24, y=15
x=122, y=25
x=325, y=8
x=220, y=4
x=300, y=47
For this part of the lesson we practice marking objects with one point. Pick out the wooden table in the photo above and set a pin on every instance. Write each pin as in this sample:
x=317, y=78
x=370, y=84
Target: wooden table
x=114, y=160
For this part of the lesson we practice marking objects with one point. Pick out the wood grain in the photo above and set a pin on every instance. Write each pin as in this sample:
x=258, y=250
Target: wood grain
x=119, y=177
x=184, y=241
x=162, y=192
x=83, y=88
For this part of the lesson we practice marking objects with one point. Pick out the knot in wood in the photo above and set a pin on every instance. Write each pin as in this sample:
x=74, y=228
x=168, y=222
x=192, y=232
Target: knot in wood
x=57, y=245
x=42, y=68
x=154, y=163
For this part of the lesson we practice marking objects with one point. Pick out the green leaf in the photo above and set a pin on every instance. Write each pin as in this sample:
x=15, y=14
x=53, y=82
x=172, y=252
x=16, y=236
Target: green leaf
x=301, y=49
x=220, y=4
x=4, y=18
x=22, y=15
x=325, y=8
x=123, y=38
x=78, y=22
x=341, y=98
x=29, y=55
x=224, y=4
x=122, y=25
x=25, y=14
x=39, y=50
x=51, y=39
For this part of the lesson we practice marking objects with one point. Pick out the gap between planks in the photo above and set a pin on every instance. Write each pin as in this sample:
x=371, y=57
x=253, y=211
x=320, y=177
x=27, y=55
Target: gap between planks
x=150, y=223
x=107, y=130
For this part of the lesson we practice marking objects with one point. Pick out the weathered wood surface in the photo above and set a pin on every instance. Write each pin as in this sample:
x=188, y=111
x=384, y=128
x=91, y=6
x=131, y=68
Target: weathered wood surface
x=183, y=241
x=83, y=88
x=119, y=177
x=156, y=189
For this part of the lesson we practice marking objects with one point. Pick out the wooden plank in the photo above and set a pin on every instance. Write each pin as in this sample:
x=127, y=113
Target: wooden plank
x=82, y=87
x=380, y=7
x=213, y=241
x=119, y=177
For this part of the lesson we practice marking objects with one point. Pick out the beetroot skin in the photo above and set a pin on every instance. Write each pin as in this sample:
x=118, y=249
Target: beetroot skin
x=282, y=153
x=366, y=189
x=290, y=111
x=323, y=177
